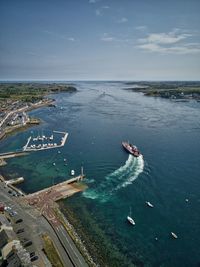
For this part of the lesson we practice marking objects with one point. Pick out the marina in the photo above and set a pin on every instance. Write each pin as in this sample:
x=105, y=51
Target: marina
x=34, y=144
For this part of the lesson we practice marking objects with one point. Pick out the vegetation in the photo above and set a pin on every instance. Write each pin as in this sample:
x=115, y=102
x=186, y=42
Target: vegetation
x=173, y=90
x=51, y=252
x=32, y=92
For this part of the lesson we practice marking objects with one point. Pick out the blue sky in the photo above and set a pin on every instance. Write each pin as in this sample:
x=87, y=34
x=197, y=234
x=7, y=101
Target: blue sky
x=99, y=40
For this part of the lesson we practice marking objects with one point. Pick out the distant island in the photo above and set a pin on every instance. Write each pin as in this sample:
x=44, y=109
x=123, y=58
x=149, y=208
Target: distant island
x=18, y=98
x=176, y=90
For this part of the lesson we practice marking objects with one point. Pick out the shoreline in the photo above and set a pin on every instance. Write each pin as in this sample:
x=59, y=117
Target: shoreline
x=60, y=216
x=21, y=128
x=32, y=121
x=103, y=251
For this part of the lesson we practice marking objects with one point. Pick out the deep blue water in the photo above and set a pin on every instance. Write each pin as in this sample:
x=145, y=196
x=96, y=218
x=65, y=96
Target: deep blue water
x=168, y=135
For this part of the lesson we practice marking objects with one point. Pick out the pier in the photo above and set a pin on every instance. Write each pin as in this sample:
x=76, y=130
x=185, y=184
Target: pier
x=45, y=200
x=13, y=154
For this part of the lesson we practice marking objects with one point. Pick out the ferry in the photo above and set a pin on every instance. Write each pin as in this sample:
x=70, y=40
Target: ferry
x=132, y=149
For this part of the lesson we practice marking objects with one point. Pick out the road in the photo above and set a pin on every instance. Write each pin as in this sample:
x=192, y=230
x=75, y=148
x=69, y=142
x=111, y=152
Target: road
x=67, y=242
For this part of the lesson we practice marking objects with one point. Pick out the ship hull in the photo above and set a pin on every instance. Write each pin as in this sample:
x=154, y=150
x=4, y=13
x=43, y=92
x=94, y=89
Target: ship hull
x=131, y=149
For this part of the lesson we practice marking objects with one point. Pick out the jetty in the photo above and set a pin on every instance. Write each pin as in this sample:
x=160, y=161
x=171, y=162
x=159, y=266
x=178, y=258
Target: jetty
x=12, y=154
x=45, y=200
x=60, y=191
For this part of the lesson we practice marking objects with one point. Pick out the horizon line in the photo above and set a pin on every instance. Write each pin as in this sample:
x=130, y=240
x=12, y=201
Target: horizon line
x=94, y=80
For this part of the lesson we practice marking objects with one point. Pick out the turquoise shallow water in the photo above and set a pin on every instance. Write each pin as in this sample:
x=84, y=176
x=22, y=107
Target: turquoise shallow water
x=168, y=135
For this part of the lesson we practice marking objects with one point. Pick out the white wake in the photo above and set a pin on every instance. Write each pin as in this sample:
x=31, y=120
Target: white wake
x=120, y=178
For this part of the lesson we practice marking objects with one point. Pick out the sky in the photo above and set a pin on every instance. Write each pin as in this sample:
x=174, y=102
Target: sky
x=100, y=40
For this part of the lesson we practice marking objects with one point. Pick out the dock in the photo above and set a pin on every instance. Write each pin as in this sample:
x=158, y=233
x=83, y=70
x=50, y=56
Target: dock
x=45, y=200
x=8, y=155
x=61, y=190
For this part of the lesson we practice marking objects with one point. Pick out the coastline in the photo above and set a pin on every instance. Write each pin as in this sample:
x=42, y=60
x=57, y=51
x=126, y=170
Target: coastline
x=20, y=128
x=60, y=216
x=103, y=251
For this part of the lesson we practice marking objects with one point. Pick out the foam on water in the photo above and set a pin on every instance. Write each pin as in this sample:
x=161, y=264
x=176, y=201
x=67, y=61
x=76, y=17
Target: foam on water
x=118, y=179
x=138, y=168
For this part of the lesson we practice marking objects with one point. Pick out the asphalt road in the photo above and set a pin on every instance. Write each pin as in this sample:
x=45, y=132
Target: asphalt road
x=67, y=242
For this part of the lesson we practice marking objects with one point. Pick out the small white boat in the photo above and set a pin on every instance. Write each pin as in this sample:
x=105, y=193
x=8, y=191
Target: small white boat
x=59, y=152
x=130, y=219
x=174, y=235
x=149, y=204
x=54, y=164
x=64, y=159
x=72, y=172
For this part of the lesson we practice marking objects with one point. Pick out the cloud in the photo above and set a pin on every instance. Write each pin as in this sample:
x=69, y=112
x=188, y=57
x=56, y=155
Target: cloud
x=105, y=7
x=174, y=42
x=164, y=38
x=60, y=36
x=98, y=12
x=141, y=28
x=107, y=38
x=93, y=1
x=123, y=20
x=72, y=39
x=101, y=10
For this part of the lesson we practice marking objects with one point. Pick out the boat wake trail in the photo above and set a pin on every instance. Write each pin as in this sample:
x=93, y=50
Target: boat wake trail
x=118, y=179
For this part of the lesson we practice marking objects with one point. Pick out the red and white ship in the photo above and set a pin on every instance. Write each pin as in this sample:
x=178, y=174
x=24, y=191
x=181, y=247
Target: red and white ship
x=132, y=149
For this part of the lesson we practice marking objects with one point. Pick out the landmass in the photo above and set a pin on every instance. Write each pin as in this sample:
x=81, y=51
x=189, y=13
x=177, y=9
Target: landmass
x=18, y=98
x=177, y=91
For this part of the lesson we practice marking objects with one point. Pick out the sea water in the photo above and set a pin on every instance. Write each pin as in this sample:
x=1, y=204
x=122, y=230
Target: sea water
x=98, y=117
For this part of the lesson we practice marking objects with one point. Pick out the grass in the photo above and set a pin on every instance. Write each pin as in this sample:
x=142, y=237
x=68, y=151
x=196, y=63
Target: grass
x=51, y=252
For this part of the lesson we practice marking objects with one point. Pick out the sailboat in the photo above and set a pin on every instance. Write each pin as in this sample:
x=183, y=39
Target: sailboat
x=130, y=219
x=149, y=204
x=174, y=235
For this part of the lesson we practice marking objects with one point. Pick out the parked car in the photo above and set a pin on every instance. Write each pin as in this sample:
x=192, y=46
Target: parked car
x=20, y=231
x=11, y=213
x=19, y=221
x=32, y=254
x=28, y=243
x=34, y=258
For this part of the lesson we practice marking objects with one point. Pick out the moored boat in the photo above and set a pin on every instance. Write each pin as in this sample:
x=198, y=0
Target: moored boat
x=149, y=204
x=132, y=149
x=131, y=221
x=174, y=235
